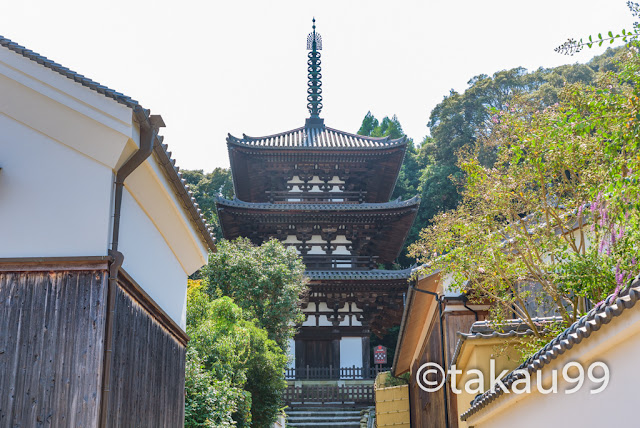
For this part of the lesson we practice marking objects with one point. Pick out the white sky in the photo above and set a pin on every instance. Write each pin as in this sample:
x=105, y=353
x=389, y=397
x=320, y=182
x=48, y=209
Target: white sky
x=240, y=66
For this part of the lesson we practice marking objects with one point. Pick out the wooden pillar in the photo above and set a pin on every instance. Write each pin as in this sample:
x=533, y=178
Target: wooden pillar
x=335, y=351
x=366, y=354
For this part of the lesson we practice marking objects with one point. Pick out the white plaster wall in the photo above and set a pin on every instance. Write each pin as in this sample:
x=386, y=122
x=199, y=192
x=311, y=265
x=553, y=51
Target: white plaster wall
x=64, y=110
x=351, y=352
x=616, y=344
x=344, y=308
x=148, y=185
x=150, y=261
x=341, y=250
x=315, y=180
x=54, y=201
x=291, y=239
x=310, y=321
x=323, y=321
x=316, y=240
x=59, y=145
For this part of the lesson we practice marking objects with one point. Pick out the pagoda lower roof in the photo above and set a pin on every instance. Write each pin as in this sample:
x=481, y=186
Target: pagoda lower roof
x=359, y=275
x=315, y=137
x=367, y=206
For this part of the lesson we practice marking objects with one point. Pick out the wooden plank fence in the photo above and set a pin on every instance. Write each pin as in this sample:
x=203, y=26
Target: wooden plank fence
x=321, y=394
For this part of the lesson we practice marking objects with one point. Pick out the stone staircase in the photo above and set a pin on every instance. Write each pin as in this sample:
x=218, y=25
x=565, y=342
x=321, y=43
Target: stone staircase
x=325, y=416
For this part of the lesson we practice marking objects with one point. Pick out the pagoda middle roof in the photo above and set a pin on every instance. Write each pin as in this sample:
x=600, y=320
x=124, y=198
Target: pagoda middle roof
x=316, y=137
x=366, y=206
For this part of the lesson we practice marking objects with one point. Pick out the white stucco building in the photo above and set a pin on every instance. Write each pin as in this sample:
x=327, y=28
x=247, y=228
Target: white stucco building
x=98, y=234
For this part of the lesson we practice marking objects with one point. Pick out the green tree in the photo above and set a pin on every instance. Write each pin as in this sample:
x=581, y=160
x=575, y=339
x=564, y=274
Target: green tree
x=564, y=176
x=387, y=128
x=206, y=187
x=266, y=281
x=462, y=118
x=209, y=402
x=233, y=370
x=369, y=123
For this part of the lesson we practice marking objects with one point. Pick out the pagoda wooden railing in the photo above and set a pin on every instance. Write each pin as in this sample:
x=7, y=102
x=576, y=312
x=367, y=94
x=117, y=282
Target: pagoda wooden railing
x=285, y=197
x=331, y=262
x=321, y=394
x=328, y=373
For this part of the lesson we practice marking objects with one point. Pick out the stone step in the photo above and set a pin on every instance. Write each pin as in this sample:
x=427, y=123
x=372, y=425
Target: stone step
x=325, y=418
x=298, y=416
x=324, y=424
x=324, y=411
x=327, y=407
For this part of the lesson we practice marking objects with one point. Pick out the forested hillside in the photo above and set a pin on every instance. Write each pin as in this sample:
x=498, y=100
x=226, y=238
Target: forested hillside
x=430, y=168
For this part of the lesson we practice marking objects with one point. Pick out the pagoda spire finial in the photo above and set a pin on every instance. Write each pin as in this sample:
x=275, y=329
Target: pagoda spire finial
x=314, y=90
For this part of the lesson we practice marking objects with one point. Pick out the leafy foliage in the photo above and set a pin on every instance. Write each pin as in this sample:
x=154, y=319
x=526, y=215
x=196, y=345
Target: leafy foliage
x=209, y=402
x=234, y=371
x=390, y=380
x=554, y=220
x=387, y=128
x=266, y=281
x=460, y=120
x=206, y=187
x=572, y=46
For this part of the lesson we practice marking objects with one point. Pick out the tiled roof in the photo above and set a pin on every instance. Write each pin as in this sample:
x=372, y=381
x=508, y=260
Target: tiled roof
x=316, y=137
x=576, y=333
x=181, y=188
x=169, y=165
x=84, y=81
x=380, y=274
x=489, y=330
x=367, y=206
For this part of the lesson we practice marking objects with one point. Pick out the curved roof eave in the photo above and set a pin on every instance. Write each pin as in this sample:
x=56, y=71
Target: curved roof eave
x=325, y=139
x=367, y=206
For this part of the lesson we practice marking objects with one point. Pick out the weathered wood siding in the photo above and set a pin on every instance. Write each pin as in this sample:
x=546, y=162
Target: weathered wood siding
x=51, y=347
x=427, y=408
x=148, y=370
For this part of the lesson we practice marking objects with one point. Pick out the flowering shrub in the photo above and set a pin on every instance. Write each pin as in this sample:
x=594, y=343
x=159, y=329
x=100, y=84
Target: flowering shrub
x=552, y=226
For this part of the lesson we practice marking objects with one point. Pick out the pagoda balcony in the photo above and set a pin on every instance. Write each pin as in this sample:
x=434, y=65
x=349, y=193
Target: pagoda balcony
x=286, y=197
x=327, y=373
x=339, y=262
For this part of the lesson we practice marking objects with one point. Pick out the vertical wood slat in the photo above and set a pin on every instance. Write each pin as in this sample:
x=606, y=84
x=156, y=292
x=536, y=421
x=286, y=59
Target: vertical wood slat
x=51, y=326
x=148, y=369
x=51, y=351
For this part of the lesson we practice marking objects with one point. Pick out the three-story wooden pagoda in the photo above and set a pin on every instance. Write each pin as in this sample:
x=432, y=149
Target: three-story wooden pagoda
x=326, y=193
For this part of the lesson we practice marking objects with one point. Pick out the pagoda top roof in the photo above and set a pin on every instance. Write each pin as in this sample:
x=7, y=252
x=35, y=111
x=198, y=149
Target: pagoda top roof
x=316, y=137
x=366, y=206
x=373, y=274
